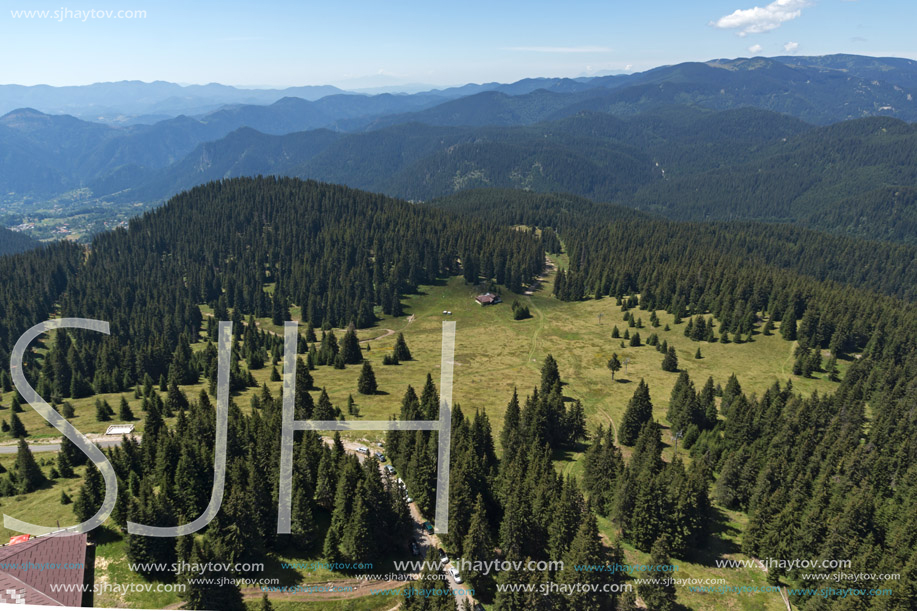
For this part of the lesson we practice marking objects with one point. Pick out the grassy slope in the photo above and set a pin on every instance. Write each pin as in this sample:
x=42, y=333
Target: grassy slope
x=494, y=354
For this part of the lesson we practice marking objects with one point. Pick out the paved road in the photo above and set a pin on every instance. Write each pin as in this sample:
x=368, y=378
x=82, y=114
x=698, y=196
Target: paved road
x=55, y=447
x=419, y=532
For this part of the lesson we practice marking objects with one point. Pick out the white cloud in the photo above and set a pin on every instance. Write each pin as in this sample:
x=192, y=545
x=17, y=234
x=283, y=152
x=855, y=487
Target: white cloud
x=791, y=47
x=761, y=19
x=755, y=49
x=562, y=49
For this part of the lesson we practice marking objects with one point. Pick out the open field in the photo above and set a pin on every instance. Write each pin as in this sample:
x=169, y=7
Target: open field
x=494, y=355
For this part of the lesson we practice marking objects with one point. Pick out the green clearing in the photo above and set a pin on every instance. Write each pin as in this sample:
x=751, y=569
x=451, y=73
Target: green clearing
x=494, y=355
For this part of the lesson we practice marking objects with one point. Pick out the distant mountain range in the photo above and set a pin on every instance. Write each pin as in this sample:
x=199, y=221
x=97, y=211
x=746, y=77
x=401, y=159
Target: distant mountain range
x=783, y=138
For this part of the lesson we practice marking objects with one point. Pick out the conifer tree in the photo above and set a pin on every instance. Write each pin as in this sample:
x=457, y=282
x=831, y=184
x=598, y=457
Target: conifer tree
x=401, y=351
x=661, y=595
x=670, y=361
x=477, y=545
x=29, y=476
x=350, y=347
x=614, y=364
x=549, y=374
x=367, y=382
x=788, y=324
x=586, y=549
x=124, y=411
x=639, y=411
x=17, y=429
x=89, y=497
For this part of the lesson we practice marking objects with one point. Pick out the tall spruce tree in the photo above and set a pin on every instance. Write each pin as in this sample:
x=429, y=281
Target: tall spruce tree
x=639, y=411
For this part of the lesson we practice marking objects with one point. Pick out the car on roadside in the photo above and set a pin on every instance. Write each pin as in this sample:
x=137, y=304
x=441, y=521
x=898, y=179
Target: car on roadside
x=363, y=450
x=455, y=574
x=380, y=456
x=428, y=527
x=443, y=556
x=389, y=469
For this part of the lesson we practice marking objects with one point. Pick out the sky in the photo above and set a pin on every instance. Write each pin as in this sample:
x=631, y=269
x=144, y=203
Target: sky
x=356, y=44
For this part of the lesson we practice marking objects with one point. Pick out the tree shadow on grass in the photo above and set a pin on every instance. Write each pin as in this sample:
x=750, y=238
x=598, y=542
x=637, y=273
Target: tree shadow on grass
x=719, y=542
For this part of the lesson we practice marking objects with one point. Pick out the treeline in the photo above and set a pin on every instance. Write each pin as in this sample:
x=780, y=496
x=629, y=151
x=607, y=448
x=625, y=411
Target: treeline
x=877, y=266
x=32, y=283
x=672, y=271
x=336, y=253
x=12, y=242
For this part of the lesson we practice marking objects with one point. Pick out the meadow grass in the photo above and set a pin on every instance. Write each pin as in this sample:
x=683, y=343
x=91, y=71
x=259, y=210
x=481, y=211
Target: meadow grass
x=494, y=355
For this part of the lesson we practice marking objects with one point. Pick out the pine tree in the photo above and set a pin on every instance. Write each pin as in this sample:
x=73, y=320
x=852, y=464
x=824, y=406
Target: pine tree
x=614, y=364
x=586, y=549
x=401, y=351
x=549, y=374
x=124, y=411
x=477, y=545
x=64, y=499
x=658, y=596
x=89, y=497
x=29, y=476
x=64, y=468
x=670, y=361
x=788, y=324
x=350, y=347
x=17, y=429
x=831, y=368
x=101, y=412
x=639, y=411
x=367, y=382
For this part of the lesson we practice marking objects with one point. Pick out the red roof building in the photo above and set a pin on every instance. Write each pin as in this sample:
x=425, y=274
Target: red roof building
x=48, y=570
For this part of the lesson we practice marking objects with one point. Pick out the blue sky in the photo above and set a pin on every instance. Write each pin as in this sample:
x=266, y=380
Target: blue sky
x=376, y=43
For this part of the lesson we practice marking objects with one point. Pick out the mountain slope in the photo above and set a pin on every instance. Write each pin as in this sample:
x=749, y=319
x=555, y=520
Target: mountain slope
x=12, y=242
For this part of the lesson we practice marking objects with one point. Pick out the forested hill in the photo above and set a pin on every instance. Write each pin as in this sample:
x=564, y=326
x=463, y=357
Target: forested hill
x=839, y=471
x=333, y=251
x=12, y=242
x=881, y=267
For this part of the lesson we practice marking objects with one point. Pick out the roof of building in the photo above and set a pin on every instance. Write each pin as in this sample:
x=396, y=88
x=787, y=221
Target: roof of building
x=28, y=570
x=119, y=429
x=486, y=298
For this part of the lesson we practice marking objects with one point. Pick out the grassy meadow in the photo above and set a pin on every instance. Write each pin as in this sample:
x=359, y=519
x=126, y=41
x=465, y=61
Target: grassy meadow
x=494, y=354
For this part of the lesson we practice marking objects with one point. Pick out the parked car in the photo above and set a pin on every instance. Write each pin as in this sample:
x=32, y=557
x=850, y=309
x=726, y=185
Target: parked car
x=380, y=456
x=455, y=574
x=428, y=527
x=363, y=450
x=443, y=555
x=389, y=469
